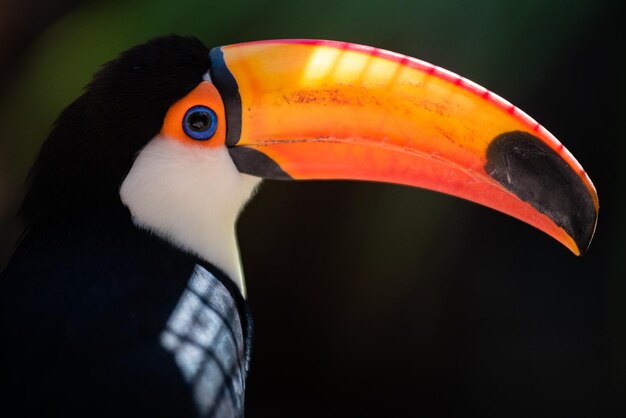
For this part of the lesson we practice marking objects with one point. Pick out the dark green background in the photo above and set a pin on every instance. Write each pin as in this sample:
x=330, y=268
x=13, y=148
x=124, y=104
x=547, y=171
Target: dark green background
x=377, y=300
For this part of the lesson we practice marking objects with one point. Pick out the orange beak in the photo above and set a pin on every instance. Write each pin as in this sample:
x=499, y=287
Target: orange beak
x=303, y=109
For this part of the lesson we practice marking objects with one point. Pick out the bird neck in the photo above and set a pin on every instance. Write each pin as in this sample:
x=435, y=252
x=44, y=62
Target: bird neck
x=190, y=197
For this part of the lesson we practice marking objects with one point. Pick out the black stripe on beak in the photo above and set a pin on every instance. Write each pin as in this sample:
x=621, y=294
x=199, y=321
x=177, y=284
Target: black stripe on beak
x=229, y=90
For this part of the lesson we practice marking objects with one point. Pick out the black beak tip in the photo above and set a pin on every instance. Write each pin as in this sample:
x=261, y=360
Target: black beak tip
x=536, y=173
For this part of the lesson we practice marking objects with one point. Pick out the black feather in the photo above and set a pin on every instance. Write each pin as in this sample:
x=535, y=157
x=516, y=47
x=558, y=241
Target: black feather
x=81, y=315
x=93, y=144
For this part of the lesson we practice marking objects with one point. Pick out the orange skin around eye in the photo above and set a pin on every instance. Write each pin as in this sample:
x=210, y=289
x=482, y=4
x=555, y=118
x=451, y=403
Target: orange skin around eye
x=204, y=94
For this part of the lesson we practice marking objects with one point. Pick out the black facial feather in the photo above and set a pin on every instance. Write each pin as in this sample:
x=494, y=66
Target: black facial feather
x=95, y=140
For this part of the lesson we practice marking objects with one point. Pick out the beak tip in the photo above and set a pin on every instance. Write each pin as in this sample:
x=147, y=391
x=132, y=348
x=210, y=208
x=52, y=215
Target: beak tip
x=537, y=174
x=584, y=241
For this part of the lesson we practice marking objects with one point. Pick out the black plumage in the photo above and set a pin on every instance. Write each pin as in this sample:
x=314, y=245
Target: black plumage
x=92, y=146
x=87, y=294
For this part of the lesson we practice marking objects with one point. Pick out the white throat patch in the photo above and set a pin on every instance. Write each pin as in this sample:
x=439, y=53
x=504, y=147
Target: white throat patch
x=191, y=196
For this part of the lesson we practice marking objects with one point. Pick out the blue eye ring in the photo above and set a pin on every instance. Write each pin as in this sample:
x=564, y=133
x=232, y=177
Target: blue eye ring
x=200, y=123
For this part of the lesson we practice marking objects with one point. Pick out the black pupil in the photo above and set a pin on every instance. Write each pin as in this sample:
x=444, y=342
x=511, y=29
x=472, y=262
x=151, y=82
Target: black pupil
x=199, y=121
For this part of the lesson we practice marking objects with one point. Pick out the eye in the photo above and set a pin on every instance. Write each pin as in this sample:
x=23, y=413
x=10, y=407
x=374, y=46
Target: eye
x=200, y=123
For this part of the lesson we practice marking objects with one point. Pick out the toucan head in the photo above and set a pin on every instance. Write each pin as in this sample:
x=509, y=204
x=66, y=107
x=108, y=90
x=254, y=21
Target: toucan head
x=180, y=136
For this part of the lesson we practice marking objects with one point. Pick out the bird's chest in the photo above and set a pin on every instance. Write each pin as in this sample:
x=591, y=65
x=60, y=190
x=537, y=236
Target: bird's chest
x=204, y=334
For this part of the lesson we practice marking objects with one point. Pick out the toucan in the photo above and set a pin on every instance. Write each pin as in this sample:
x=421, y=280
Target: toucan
x=125, y=295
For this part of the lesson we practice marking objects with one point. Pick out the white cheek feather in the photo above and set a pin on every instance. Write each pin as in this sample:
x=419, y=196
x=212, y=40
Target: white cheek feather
x=191, y=196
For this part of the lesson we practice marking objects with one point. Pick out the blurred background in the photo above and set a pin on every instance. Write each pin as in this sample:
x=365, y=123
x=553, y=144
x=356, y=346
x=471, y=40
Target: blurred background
x=375, y=300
